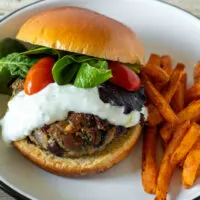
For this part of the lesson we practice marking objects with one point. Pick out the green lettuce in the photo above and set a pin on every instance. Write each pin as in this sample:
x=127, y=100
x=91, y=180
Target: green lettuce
x=82, y=71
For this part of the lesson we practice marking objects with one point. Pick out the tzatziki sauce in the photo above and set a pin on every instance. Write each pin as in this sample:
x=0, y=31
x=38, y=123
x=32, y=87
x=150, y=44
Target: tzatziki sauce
x=28, y=112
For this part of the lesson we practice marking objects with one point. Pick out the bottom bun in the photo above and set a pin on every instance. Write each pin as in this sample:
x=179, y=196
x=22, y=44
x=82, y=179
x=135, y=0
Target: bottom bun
x=98, y=162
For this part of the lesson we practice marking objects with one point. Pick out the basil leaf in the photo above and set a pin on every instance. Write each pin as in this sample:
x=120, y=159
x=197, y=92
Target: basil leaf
x=44, y=51
x=9, y=45
x=11, y=67
x=89, y=76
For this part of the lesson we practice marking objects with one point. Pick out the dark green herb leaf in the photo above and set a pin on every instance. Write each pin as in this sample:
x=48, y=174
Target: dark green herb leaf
x=17, y=64
x=11, y=67
x=9, y=45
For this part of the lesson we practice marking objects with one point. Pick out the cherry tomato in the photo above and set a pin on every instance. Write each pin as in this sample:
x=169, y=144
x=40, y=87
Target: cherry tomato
x=124, y=76
x=39, y=76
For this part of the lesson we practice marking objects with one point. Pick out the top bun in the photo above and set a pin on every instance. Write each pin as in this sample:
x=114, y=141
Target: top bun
x=83, y=31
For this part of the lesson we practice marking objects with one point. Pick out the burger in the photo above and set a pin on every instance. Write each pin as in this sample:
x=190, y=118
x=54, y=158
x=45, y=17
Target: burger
x=77, y=104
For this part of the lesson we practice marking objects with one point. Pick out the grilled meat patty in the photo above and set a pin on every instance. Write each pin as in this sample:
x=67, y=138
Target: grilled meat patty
x=79, y=134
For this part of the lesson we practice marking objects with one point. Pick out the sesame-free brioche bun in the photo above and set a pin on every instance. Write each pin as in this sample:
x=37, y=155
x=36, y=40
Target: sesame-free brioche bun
x=83, y=31
x=98, y=162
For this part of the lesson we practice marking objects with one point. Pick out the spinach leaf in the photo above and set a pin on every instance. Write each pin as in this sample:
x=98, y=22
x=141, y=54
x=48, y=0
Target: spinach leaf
x=9, y=45
x=43, y=51
x=5, y=80
x=89, y=76
x=63, y=70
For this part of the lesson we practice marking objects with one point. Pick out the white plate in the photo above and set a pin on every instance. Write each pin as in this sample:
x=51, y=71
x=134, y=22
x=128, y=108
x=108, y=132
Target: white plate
x=164, y=30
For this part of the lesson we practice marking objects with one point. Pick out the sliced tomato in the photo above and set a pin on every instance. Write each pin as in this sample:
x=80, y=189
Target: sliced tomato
x=39, y=76
x=124, y=76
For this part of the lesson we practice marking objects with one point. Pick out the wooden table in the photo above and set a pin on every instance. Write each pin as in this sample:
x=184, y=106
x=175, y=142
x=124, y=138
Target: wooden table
x=7, y=6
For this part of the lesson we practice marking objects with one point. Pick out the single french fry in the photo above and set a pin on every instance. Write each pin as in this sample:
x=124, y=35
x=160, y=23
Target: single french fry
x=197, y=73
x=154, y=59
x=149, y=168
x=159, y=101
x=167, y=167
x=191, y=112
x=164, y=145
x=166, y=132
x=178, y=100
x=198, y=173
x=166, y=64
x=191, y=166
x=156, y=74
x=193, y=93
x=154, y=116
x=186, y=144
x=168, y=92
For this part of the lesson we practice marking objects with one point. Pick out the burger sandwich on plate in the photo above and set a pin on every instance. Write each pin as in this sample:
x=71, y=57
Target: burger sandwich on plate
x=77, y=102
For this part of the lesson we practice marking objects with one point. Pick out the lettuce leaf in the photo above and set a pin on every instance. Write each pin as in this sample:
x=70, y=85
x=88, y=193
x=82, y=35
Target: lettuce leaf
x=89, y=76
x=80, y=70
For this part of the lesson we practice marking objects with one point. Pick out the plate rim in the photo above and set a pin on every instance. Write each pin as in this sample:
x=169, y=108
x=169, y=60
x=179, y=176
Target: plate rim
x=7, y=187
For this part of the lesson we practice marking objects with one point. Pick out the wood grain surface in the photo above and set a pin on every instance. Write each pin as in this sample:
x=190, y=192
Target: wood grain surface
x=7, y=6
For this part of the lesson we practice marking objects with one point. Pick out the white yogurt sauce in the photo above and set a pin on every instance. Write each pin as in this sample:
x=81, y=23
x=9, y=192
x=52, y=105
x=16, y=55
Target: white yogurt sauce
x=25, y=113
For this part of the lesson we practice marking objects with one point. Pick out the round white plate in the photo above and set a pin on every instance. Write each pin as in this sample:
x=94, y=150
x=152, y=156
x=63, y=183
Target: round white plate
x=164, y=30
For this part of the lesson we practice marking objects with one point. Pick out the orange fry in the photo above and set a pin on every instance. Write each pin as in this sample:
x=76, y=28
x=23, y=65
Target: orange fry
x=166, y=132
x=167, y=167
x=198, y=173
x=186, y=144
x=174, y=82
x=178, y=101
x=191, y=166
x=149, y=169
x=193, y=93
x=154, y=116
x=191, y=112
x=154, y=59
x=156, y=74
x=168, y=92
x=197, y=73
x=166, y=64
x=159, y=101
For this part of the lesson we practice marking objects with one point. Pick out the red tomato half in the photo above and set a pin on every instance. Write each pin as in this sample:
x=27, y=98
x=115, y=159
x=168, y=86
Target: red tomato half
x=39, y=76
x=124, y=76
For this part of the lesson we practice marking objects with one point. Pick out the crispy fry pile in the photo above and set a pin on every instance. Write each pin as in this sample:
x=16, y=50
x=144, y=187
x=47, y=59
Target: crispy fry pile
x=174, y=115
